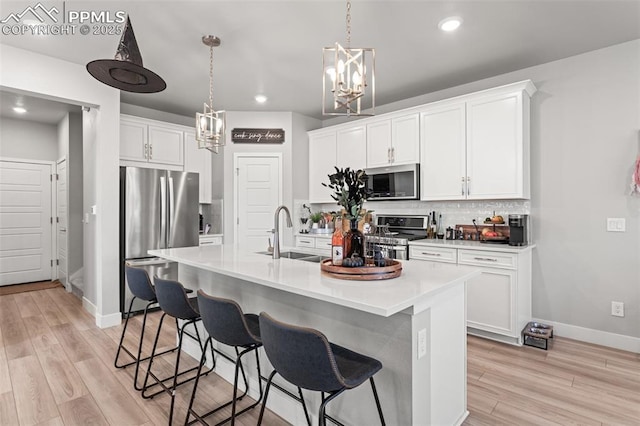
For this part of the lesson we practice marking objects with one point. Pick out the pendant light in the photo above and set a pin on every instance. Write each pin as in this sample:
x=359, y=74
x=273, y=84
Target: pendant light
x=210, y=124
x=125, y=71
x=348, y=83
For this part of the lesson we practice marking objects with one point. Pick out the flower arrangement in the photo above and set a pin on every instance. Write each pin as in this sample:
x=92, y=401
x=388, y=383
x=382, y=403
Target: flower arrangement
x=349, y=190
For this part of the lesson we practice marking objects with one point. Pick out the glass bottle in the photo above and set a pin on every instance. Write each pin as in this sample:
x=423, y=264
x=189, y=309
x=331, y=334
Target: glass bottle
x=337, y=241
x=353, y=241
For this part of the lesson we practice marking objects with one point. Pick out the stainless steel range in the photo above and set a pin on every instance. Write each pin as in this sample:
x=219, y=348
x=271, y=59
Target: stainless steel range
x=393, y=233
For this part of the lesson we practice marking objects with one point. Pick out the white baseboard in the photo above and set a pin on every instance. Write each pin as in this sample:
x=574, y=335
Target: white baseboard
x=603, y=338
x=102, y=321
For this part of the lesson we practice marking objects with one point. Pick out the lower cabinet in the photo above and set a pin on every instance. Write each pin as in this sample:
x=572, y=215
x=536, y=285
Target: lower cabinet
x=210, y=240
x=499, y=300
x=319, y=244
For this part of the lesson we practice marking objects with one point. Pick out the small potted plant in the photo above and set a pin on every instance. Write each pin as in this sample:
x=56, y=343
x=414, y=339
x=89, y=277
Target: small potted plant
x=315, y=219
x=350, y=191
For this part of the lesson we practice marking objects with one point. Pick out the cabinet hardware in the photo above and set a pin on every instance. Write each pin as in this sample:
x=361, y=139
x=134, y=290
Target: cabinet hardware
x=304, y=242
x=431, y=254
x=388, y=155
x=150, y=151
x=468, y=186
x=485, y=259
x=393, y=155
x=146, y=150
x=462, y=186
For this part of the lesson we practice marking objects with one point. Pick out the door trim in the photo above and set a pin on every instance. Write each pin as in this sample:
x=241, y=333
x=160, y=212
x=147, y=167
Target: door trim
x=67, y=284
x=236, y=158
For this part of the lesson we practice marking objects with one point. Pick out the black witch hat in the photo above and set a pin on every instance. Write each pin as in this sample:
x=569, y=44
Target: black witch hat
x=126, y=72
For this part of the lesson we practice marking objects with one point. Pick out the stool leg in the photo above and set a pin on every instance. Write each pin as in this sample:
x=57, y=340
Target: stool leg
x=266, y=395
x=144, y=323
x=375, y=395
x=322, y=420
x=124, y=330
x=153, y=353
x=203, y=360
x=304, y=407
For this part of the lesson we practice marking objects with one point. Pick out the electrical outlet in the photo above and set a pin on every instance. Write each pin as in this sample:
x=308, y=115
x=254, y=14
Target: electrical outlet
x=616, y=224
x=422, y=343
x=617, y=309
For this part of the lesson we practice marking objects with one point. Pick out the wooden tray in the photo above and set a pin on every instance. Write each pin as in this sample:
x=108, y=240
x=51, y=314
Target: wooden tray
x=365, y=273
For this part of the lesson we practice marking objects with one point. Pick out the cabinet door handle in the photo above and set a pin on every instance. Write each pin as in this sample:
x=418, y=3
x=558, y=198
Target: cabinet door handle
x=486, y=259
x=462, y=186
x=393, y=155
x=388, y=155
x=150, y=151
x=146, y=150
x=431, y=254
x=468, y=186
x=304, y=242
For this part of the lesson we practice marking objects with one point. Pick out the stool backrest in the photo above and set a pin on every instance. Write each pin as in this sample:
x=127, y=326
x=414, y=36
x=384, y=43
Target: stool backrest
x=173, y=299
x=301, y=355
x=224, y=321
x=139, y=283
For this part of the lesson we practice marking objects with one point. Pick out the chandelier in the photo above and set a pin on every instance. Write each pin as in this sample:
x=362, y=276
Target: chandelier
x=348, y=83
x=210, y=124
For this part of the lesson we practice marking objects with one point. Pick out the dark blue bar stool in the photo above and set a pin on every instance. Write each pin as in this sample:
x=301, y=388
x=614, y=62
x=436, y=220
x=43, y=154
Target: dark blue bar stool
x=226, y=323
x=305, y=358
x=174, y=302
x=141, y=288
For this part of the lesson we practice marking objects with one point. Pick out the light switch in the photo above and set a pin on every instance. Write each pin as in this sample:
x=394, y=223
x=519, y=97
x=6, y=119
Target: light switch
x=616, y=224
x=94, y=209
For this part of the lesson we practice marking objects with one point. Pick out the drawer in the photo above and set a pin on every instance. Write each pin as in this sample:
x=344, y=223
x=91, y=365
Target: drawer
x=307, y=242
x=489, y=259
x=323, y=243
x=206, y=240
x=438, y=254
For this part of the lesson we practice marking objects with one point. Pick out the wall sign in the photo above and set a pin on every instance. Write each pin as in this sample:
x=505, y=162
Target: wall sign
x=257, y=135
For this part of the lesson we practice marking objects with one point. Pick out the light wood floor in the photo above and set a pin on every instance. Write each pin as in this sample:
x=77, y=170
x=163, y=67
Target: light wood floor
x=56, y=368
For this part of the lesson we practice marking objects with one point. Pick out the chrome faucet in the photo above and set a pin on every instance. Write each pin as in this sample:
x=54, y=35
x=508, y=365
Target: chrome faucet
x=276, y=230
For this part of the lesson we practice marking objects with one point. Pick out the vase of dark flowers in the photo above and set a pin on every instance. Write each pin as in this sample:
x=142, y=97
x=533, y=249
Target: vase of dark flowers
x=350, y=191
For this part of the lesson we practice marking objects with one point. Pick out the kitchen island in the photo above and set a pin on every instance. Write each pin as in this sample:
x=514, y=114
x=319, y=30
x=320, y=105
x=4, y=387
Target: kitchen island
x=414, y=324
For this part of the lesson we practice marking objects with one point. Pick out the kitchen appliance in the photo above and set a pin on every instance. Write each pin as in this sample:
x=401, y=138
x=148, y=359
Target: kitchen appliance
x=394, y=182
x=519, y=230
x=393, y=234
x=158, y=209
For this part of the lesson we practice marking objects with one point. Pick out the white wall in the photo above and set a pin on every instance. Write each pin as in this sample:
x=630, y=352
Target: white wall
x=44, y=76
x=28, y=139
x=585, y=124
x=75, y=168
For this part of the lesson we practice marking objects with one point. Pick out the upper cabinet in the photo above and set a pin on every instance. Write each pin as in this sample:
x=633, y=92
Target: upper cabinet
x=477, y=146
x=198, y=161
x=351, y=147
x=393, y=141
x=322, y=160
x=151, y=142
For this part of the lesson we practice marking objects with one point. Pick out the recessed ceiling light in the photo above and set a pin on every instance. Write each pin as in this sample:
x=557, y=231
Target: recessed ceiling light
x=19, y=110
x=261, y=99
x=450, y=24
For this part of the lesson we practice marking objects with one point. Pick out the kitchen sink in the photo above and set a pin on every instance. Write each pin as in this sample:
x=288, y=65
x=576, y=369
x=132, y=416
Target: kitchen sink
x=307, y=257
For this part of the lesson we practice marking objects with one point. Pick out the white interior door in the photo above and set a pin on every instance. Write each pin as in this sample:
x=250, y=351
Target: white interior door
x=258, y=194
x=62, y=214
x=25, y=222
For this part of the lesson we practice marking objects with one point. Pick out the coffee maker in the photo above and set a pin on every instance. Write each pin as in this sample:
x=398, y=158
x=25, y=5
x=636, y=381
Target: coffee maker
x=518, y=229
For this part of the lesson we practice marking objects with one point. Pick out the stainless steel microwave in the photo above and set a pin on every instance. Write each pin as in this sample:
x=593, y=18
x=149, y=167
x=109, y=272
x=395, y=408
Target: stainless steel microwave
x=394, y=182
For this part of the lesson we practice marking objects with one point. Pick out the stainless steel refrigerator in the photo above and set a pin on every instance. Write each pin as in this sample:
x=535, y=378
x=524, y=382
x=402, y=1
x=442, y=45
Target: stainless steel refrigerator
x=158, y=209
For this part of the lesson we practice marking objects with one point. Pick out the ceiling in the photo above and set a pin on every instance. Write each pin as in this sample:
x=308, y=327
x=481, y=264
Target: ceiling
x=275, y=47
x=38, y=109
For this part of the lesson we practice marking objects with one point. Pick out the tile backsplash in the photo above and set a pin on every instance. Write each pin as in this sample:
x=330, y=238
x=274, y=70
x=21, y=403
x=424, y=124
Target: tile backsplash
x=453, y=212
x=212, y=213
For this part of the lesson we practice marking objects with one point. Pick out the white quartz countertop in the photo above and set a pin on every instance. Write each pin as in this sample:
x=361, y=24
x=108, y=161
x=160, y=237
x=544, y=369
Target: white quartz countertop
x=472, y=245
x=419, y=280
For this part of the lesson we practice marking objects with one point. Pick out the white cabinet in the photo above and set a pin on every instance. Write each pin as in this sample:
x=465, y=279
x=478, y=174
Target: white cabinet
x=198, y=161
x=210, y=240
x=316, y=244
x=150, y=143
x=498, y=300
x=351, y=147
x=477, y=146
x=322, y=160
x=443, y=162
x=393, y=141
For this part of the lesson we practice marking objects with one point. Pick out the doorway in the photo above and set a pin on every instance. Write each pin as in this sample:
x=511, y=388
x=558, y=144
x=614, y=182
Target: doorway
x=258, y=192
x=26, y=221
